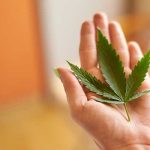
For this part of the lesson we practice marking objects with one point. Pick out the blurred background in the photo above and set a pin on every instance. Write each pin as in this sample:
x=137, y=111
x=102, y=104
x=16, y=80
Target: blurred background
x=35, y=37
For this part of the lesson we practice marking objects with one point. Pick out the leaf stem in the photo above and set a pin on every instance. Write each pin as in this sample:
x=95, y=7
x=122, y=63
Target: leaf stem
x=127, y=112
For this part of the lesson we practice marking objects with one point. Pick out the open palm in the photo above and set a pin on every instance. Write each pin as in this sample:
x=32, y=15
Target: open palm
x=107, y=123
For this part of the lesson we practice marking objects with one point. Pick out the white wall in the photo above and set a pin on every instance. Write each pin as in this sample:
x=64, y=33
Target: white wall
x=61, y=20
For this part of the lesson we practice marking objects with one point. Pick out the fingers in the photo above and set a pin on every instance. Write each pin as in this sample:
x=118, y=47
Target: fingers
x=88, y=52
x=119, y=42
x=135, y=54
x=75, y=94
x=113, y=32
x=101, y=21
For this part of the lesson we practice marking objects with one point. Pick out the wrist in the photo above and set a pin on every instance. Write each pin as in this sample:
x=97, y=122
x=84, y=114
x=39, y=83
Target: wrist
x=134, y=147
x=128, y=147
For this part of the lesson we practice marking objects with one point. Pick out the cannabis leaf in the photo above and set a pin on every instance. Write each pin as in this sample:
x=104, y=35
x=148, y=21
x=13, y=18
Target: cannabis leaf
x=111, y=66
x=137, y=76
x=139, y=94
x=92, y=83
x=117, y=90
x=103, y=100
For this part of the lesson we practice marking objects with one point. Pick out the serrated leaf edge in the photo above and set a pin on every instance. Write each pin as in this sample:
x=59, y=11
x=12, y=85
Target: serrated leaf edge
x=97, y=91
x=139, y=94
x=120, y=63
x=126, y=96
x=107, y=101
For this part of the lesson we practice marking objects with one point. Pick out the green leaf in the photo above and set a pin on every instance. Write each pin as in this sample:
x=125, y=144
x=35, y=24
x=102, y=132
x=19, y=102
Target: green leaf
x=137, y=76
x=111, y=66
x=102, y=100
x=56, y=73
x=139, y=94
x=93, y=84
x=118, y=91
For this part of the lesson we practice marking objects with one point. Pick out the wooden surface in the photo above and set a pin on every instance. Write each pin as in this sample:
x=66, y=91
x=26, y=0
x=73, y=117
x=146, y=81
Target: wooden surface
x=34, y=125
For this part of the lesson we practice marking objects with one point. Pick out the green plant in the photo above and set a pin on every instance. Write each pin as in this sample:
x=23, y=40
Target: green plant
x=117, y=89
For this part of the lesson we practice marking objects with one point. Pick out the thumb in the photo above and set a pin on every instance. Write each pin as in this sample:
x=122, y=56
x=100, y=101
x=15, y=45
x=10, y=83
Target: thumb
x=75, y=94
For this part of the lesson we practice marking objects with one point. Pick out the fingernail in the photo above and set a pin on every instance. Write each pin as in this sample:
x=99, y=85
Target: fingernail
x=98, y=28
x=56, y=73
x=87, y=28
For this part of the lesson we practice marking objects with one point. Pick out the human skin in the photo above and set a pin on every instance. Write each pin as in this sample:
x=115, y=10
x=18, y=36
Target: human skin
x=107, y=124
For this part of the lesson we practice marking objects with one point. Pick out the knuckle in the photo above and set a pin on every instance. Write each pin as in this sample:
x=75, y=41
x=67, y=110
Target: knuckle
x=86, y=24
x=127, y=71
x=76, y=114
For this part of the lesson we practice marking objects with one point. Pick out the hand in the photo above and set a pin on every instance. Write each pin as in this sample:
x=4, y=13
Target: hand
x=107, y=124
